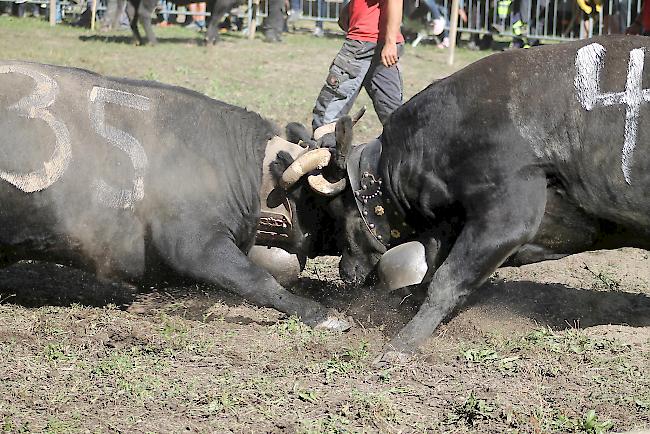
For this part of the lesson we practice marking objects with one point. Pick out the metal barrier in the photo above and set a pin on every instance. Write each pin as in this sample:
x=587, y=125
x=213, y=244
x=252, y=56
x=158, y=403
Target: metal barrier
x=559, y=20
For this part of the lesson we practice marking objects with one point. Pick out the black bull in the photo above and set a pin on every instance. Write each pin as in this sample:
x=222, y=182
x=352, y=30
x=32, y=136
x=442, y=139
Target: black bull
x=118, y=174
x=517, y=158
x=141, y=10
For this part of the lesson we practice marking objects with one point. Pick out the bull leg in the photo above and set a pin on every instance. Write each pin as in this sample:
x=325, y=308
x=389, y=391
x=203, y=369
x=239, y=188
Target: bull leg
x=221, y=262
x=144, y=12
x=216, y=16
x=133, y=15
x=531, y=253
x=497, y=227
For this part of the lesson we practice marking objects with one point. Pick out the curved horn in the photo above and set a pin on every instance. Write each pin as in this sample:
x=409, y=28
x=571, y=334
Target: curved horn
x=331, y=127
x=305, y=163
x=324, y=129
x=321, y=185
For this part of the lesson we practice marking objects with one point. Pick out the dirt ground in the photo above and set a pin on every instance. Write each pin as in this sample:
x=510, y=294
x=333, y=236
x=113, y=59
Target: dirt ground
x=561, y=346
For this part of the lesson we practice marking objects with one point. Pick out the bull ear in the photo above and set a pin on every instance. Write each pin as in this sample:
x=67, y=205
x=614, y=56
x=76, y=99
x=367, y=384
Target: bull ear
x=343, y=133
x=296, y=133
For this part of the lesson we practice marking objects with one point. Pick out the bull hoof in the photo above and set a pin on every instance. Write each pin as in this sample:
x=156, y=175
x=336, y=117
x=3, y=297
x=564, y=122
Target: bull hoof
x=333, y=323
x=395, y=353
x=392, y=358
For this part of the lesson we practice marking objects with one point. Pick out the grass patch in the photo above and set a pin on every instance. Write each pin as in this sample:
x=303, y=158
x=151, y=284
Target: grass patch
x=573, y=341
x=471, y=410
x=346, y=363
x=557, y=422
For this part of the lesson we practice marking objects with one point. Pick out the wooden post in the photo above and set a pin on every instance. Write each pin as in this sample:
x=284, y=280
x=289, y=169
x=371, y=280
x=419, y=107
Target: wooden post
x=93, y=15
x=52, y=12
x=253, y=5
x=453, y=30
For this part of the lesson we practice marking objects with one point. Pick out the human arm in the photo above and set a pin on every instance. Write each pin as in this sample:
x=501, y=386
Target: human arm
x=393, y=22
x=344, y=17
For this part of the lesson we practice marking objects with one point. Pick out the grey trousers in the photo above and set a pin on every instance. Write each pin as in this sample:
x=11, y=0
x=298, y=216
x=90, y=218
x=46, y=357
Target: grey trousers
x=358, y=64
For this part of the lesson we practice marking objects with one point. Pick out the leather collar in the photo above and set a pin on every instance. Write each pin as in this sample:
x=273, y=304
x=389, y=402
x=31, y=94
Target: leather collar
x=381, y=217
x=277, y=215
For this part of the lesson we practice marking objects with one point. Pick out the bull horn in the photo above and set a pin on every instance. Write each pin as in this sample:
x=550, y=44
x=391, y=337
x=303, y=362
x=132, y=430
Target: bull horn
x=324, y=129
x=358, y=115
x=305, y=163
x=321, y=185
x=331, y=127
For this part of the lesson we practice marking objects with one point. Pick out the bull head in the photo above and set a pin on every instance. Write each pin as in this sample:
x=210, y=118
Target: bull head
x=318, y=159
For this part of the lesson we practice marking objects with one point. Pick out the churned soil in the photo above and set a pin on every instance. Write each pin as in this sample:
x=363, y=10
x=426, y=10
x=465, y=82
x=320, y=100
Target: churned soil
x=561, y=346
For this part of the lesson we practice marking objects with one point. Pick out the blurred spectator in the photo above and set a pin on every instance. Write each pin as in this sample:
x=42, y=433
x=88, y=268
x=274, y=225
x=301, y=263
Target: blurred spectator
x=19, y=8
x=614, y=19
x=295, y=12
x=165, y=5
x=320, y=11
x=114, y=19
x=641, y=24
x=590, y=10
x=521, y=12
x=198, y=21
x=86, y=16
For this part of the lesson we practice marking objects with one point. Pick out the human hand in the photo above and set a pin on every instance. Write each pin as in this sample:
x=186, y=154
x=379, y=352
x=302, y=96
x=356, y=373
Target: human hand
x=389, y=55
x=463, y=15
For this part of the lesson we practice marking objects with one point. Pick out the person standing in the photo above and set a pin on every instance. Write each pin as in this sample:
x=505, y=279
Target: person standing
x=369, y=58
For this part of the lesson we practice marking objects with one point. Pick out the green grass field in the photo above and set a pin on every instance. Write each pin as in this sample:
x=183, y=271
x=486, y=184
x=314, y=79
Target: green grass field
x=280, y=81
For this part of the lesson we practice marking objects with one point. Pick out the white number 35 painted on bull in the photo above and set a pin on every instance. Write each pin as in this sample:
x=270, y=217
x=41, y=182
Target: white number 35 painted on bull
x=35, y=106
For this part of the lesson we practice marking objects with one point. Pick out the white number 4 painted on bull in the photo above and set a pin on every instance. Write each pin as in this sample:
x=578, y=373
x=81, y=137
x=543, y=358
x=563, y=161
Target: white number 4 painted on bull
x=106, y=194
x=589, y=63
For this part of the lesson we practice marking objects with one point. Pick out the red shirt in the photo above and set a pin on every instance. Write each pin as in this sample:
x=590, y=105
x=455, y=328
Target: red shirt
x=645, y=18
x=367, y=22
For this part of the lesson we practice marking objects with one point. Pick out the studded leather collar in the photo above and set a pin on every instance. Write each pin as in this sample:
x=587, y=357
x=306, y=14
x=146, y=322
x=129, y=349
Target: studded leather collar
x=381, y=217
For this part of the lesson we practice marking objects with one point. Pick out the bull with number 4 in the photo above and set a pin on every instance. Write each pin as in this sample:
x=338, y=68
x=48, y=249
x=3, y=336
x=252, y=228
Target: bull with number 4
x=127, y=177
x=476, y=171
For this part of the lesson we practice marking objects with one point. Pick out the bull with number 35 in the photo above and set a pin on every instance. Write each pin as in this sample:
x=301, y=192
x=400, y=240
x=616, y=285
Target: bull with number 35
x=119, y=175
